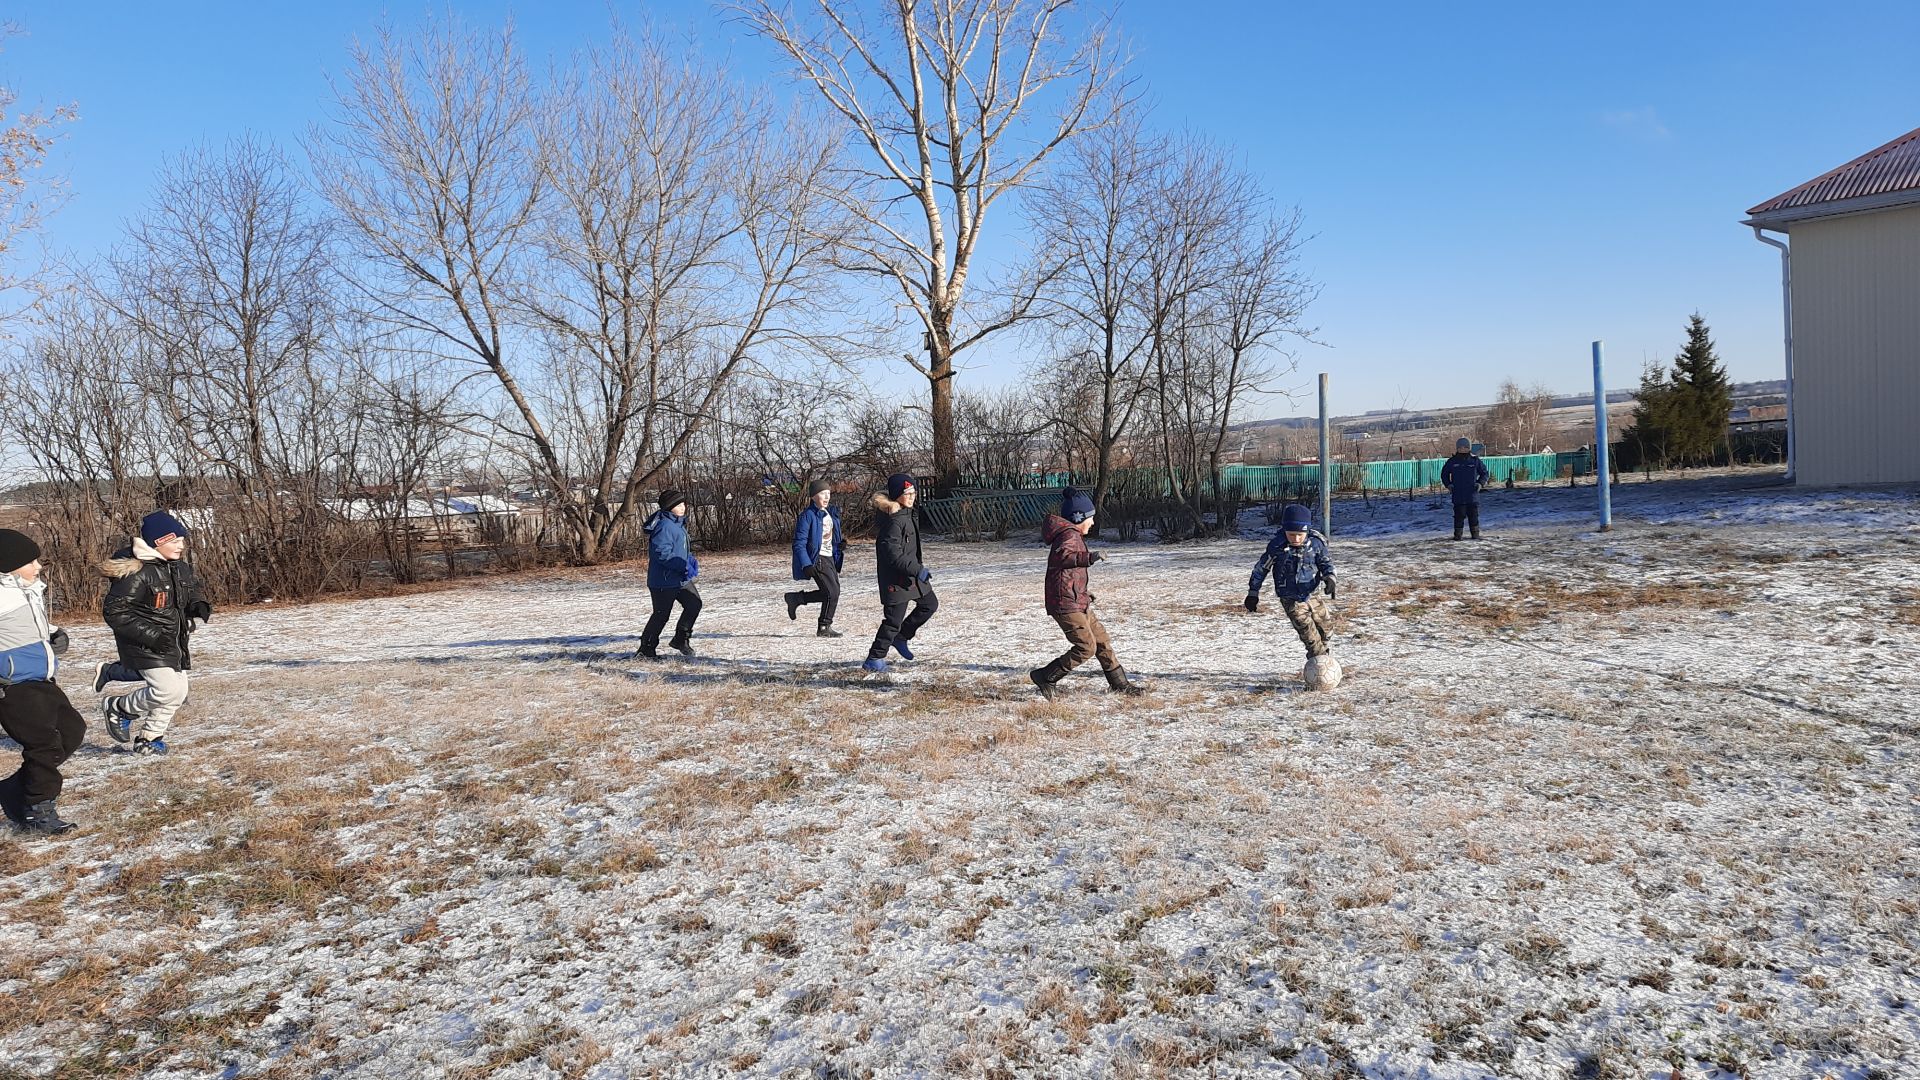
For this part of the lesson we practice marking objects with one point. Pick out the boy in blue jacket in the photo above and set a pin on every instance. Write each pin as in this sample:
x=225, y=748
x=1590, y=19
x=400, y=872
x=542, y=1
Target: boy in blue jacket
x=1464, y=475
x=671, y=569
x=1298, y=560
x=34, y=711
x=819, y=549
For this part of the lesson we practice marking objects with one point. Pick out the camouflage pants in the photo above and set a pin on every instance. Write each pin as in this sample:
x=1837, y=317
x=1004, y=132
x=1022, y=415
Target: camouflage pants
x=1311, y=619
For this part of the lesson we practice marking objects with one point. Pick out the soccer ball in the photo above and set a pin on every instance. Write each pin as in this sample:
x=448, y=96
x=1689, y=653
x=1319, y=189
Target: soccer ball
x=1321, y=673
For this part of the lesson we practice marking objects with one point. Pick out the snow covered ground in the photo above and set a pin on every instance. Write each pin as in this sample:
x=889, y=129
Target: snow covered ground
x=1626, y=805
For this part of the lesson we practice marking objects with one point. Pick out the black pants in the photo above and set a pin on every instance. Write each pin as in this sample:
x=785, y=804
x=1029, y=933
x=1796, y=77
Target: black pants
x=826, y=592
x=688, y=597
x=38, y=716
x=895, y=622
x=1468, y=514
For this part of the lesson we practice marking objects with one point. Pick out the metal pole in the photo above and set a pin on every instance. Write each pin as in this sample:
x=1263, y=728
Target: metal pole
x=1600, y=442
x=1326, y=465
x=1786, y=322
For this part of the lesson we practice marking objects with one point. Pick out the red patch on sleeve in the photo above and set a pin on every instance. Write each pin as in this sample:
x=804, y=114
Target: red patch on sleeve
x=160, y=599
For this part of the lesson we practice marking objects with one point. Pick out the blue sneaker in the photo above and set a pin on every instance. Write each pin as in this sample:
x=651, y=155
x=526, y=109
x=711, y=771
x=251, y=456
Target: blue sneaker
x=901, y=648
x=117, y=725
x=150, y=746
x=877, y=667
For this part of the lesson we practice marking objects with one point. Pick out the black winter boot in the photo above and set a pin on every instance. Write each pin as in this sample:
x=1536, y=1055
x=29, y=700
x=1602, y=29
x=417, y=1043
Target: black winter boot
x=793, y=606
x=1456, y=534
x=683, y=646
x=1045, y=677
x=42, y=818
x=646, y=651
x=13, y=799
x=1118, y=682
x=827, y=631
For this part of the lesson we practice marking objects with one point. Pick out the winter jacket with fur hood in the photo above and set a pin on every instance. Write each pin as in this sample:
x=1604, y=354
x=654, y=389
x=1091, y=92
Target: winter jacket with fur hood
x=1066, y=567
x=26, y=655
x=897, y=552
x=151, y=602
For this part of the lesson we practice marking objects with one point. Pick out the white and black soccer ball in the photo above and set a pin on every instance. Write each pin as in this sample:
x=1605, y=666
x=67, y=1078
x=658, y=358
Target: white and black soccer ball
x=1321, y=673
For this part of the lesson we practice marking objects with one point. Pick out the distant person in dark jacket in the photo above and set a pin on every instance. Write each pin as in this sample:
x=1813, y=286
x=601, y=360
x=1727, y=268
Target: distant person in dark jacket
x=819, y=550
x=1464, y=475
x=904, y=580
x=1069, y=601
x=1298, y=560
x=34, y=711
x=671, y=569
x=154, y=604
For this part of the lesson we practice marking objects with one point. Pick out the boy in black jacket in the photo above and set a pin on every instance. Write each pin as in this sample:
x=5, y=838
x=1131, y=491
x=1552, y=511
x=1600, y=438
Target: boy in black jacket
x=154, y=604
x=903, y=580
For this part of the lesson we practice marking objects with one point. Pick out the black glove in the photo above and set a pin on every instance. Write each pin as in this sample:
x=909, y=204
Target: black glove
x=201, y=610
x=1329, y=588
x=58, y=641
x=1253, y=601
x=925, y=574
x=1094, y=557
x=808, y=572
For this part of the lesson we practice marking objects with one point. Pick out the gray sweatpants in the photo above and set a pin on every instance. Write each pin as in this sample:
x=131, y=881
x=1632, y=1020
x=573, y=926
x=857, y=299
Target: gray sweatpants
x=150, y=709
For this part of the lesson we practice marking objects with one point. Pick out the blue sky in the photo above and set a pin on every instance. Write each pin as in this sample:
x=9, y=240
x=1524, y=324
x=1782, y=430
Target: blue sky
x=1489, y=186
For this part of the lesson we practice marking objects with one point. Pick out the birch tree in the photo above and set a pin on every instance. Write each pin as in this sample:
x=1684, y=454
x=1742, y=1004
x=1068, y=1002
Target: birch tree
x=957, y=104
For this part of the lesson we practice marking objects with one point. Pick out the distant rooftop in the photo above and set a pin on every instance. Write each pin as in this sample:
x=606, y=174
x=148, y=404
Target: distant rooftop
x=1879, y=179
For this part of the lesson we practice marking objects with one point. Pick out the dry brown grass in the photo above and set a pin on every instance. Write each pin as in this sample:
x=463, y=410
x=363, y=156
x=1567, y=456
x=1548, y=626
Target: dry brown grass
x=1530, y=603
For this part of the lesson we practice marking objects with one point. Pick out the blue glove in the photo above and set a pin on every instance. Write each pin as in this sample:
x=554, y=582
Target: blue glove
x=926, y=574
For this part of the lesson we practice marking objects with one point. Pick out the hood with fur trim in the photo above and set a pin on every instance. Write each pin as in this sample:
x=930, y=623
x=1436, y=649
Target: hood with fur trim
x=886, y=505
x=127, y=563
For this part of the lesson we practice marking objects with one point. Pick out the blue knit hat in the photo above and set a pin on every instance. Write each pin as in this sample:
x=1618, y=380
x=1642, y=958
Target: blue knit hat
x=1075, y=506
x=897, y=485
x=159, y=525
x=1295, y=518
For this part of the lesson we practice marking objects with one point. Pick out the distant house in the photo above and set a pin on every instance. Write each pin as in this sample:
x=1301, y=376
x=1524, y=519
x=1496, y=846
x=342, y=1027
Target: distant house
x=1851, y=278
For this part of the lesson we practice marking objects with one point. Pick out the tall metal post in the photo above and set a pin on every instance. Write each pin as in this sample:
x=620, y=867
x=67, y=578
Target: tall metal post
x=1326, y=465
x=1602, y=465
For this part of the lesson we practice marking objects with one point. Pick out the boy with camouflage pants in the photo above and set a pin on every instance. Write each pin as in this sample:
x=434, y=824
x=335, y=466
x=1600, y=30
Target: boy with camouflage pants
x=1298, y=560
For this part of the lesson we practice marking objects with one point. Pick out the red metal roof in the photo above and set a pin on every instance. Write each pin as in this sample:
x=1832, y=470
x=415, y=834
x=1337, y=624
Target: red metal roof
x=1892, y=168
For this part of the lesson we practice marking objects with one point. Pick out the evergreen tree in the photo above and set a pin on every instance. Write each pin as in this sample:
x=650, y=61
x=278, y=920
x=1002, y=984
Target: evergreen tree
x=1704, y=397
x=1650, y=438
x=1680, y=415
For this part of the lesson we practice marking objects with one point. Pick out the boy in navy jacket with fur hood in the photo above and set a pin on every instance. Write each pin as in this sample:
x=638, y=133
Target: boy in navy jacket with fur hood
x=1297, y=558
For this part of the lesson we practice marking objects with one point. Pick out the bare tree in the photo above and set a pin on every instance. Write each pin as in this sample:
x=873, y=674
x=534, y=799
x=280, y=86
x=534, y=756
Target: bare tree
x=959, y=102
x=688, y=237
x=997, y=433
x=431, y=165
x=227, y=281
x=1262, y=300
x=1517, y=421
x=636, y=238
x=27, y=196
x=1199, y=205
x=1092, y=223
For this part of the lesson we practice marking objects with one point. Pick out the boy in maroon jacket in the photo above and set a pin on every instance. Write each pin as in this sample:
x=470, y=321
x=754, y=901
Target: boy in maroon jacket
x=1069, y=602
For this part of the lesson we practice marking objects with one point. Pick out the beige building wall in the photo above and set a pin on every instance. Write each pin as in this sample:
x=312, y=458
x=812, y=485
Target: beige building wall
x=1856, y=348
